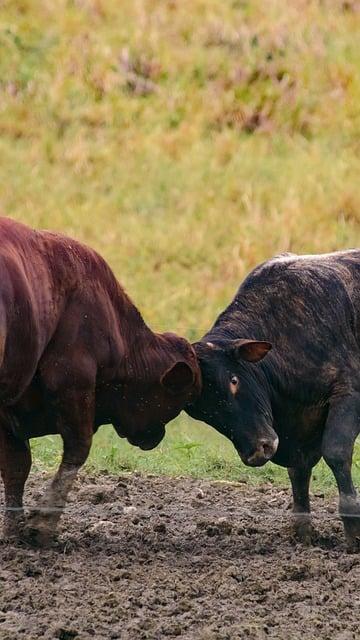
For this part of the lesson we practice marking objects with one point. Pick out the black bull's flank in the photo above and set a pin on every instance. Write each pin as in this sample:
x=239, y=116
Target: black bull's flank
x=281, y=374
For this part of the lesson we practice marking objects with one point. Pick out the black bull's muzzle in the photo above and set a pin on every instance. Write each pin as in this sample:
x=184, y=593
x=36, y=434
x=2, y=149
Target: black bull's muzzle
x=259, y=453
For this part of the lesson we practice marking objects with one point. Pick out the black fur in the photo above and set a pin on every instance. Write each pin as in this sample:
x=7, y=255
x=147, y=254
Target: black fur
x=307, y=389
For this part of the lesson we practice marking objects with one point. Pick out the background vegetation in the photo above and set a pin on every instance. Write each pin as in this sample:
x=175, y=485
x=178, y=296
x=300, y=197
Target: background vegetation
x=186, y=141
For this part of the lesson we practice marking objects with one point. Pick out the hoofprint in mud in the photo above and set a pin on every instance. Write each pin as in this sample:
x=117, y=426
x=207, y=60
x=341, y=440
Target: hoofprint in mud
x=154, y=558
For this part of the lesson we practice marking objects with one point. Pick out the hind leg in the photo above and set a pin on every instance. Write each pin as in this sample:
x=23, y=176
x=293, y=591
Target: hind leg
x=342, y=428
x=15, y=463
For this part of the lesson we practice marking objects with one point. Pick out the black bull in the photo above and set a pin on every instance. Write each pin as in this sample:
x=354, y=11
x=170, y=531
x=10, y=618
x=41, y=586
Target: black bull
x=281, y=374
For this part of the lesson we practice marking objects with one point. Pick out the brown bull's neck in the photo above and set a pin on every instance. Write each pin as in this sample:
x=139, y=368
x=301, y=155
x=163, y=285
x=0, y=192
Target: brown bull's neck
x=141, y=353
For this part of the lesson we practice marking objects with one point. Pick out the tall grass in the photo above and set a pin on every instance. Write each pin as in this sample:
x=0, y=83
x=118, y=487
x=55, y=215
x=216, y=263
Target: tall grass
x=186, y=141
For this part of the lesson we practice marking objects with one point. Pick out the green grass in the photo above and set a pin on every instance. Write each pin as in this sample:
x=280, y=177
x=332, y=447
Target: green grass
x=186, y=141
x=187, y=449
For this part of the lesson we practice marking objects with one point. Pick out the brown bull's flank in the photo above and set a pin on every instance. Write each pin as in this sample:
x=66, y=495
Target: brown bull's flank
x=75, y=353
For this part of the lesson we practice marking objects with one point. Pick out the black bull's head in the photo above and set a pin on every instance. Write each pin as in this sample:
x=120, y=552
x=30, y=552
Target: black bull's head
x=234, y=398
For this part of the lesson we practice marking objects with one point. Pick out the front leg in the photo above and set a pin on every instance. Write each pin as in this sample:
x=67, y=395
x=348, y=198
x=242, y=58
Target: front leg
x=300, y=482
x=76, y=420
x=342, y=428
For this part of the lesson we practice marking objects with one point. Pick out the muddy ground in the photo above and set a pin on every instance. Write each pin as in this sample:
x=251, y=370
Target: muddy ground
x=152, y=558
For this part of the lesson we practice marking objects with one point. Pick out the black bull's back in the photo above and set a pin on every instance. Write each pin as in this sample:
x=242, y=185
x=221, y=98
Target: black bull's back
x=307, y=389
x=308, y=307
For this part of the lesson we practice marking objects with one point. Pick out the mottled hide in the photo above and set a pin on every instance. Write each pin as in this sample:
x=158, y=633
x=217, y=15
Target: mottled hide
x=280, y=373
x=75, y=353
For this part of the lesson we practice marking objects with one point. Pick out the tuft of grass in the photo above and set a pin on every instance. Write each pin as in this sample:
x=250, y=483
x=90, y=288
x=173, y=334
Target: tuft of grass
x=186, y=142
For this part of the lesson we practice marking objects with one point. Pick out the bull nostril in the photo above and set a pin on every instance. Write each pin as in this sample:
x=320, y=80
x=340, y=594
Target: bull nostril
x=265, y=450
x=269, y=447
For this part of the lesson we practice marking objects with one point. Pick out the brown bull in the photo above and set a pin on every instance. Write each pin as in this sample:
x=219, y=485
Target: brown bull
x=75, y=353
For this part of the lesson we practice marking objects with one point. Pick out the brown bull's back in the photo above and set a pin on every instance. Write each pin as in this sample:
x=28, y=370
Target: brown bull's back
x=48, y=280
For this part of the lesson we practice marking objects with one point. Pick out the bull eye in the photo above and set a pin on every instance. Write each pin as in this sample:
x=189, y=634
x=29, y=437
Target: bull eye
x=234, y=383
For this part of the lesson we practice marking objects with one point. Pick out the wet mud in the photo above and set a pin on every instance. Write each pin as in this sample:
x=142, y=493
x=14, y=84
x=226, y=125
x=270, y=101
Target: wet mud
x=151, y=558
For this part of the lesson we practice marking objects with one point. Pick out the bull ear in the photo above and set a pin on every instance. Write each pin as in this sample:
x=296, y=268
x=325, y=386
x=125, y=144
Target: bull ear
x=178, y=378
x=249, y=350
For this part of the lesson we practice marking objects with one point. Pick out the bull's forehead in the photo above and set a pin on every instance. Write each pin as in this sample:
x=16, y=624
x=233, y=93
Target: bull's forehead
x=218, y=363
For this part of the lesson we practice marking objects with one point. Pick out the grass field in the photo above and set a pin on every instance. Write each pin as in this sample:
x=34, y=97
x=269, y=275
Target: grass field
x=186, y=141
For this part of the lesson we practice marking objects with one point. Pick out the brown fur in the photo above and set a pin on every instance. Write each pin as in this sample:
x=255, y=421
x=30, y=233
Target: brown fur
x=76, y=353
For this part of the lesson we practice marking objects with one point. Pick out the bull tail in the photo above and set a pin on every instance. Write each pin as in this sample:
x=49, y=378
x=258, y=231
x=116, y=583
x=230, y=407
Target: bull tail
x=2, y=341
x=2, y=333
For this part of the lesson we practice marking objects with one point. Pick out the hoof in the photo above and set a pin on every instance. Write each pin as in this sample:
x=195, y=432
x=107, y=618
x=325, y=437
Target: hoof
x=38, y=537
x=13, y=529
x=352, y=533
x=352, y=544
x=40, y=529
x=304, y=531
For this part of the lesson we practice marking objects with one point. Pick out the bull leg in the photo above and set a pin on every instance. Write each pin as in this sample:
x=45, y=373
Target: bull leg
x=342, y=428
x=77, y=429
x=15, y=463
x=300, y=482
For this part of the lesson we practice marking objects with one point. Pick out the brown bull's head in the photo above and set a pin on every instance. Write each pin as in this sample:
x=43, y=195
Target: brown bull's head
x=164, y=381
